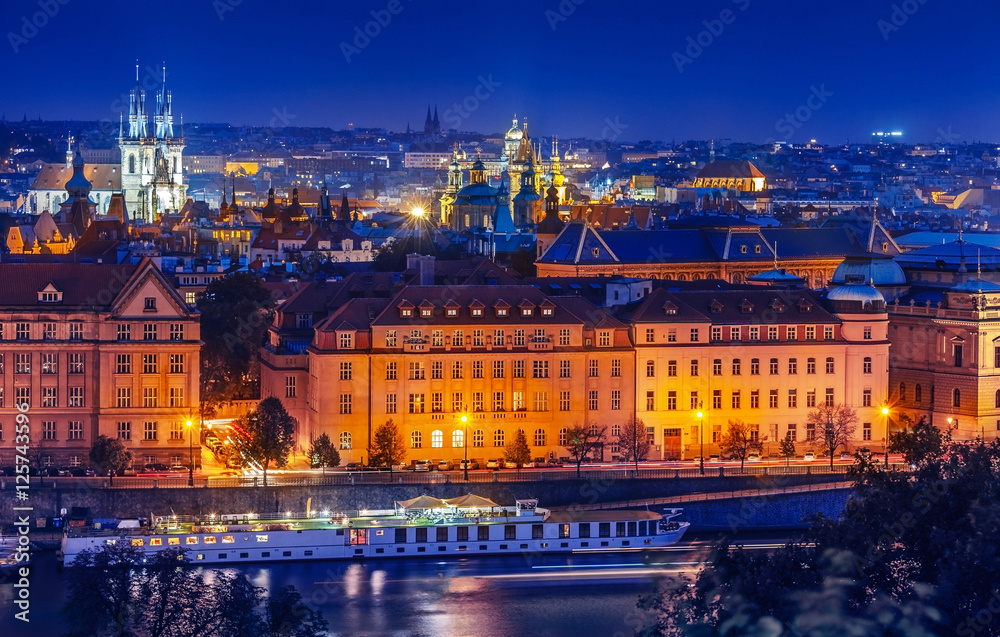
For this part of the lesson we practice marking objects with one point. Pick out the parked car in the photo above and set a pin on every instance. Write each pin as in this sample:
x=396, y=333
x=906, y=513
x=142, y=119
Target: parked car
x=772, y=456
x=493, y=463
x=472, y=462
x=713, y=458
x=422, y=465
x=845, y=456
x=553, y=463
x=753, y=457
x=510, y=464
x=353, y=466
x=154, y=467
x=178, y=468
x=77, y=472
x=809, y=456
x=445, y=465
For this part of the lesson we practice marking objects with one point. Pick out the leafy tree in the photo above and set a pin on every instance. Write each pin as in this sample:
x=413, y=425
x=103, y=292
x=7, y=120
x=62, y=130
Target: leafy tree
x=581, y=440
x=236, y=311
x=323, y=453
x=288, y=616
x=388, y=448
x=516, y=450
x=787, y=449
x=110, y=455
x=269, y=431
x=634, y=441
x=836, y=424
x=922, y=443
x=103, y=588
x=739, y=441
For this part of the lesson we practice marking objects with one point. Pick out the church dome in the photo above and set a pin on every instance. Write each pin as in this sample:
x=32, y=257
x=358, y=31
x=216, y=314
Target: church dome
x=78, y=185
x=515, y=134
x=876, y=270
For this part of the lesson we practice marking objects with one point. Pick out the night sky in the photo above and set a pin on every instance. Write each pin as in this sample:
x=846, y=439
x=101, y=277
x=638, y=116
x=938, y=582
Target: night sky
x=608, y=69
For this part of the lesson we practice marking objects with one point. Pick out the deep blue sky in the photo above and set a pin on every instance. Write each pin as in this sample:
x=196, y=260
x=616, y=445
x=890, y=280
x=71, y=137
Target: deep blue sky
x=607, y=62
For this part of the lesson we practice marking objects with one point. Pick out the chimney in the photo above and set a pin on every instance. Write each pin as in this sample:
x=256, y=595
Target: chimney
x=426, y=270
x=413, y=260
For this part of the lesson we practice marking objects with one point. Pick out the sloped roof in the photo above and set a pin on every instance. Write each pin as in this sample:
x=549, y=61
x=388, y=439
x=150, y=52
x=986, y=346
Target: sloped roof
x=101, y=176
x=729, y=169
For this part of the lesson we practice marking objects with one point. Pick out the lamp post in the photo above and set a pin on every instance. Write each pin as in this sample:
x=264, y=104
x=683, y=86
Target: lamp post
x=190, y=454
x=885, y=413
x=465, y=436
x=701, y=440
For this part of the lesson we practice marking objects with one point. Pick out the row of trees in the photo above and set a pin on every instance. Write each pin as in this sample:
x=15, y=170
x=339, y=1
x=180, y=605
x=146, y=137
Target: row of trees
x=116, y=590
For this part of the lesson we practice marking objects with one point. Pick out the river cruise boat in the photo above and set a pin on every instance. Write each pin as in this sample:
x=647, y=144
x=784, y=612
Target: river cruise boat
x=422, y=527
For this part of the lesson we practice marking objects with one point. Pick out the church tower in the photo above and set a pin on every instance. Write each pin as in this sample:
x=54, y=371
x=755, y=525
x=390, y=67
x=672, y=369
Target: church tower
x=454, y=185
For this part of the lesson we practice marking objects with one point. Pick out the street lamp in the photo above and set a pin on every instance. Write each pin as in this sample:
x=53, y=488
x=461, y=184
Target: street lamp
x=701, y=439
x=885, y=413
x=190, y=454
x=465, y=435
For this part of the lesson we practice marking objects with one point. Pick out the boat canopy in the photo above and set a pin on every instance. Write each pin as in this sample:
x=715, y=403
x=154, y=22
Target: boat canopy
x=472, y=500
x=422, y=502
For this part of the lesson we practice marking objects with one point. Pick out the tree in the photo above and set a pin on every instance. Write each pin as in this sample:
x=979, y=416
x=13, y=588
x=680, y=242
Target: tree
x=740, y=440
x=110, y=455
x=787, y=449
x=102, y=589
x=269, y=431
x=388, y=448
x=288, y=616
x=516, y=450
x=923, y=442
x=236, y=311
x=836, y=424
x=38, y=453
x=581, y=440
x=634, y=441
x=323, y=453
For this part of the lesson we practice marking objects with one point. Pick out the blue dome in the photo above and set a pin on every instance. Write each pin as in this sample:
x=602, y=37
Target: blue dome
x=976, y=286
x=878, y=271
x=856, y=297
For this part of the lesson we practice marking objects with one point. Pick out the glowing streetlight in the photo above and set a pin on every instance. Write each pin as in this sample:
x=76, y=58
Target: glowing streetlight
x=190, y=454
x=465, y=436
x=418, y=212
x=885, y=412
x=701, y=440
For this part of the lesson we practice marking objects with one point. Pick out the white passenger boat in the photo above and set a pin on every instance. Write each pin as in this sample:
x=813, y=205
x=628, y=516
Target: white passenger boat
x=421, y=527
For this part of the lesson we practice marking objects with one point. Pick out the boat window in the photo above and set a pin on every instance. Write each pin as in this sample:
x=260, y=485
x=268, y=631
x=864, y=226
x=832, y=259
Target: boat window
x=422, y=534
x=138, y=542
x=536, y=531
x=156, y=541
x=642, y=528
x=563, y=531
x=631, y=529
x=228, y=539
x=442, y=534
x=262, y=538
x=209, y=539
x=584, y=529
x=463, y=533
x=619, y=529
x=484, y=532
x=400, y=536
x=190, y=540
x=380, y=532
x=604, y=529
x=510, y=532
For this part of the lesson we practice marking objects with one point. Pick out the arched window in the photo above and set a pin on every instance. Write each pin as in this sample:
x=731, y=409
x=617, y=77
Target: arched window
x=996, y=402
x=416, y=440
x=918, y=394
x=437, y=439
x=563, y=437
x=498, y=438
x=131, y=163
x=956, y=398
x=902, y=392
x=458, y=438
x=345, y=440
x=867, y=365
x=478, y=438
x=539, y=437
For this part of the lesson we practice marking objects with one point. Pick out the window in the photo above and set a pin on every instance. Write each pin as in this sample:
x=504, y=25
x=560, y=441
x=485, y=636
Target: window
x=519, y=336
x=540, y=369
x=518, y=401
x=150, y=396
x=416, y=403
x=76, y=430
x=827, y=332
x=996, y=356
x=828, y=399
x=717, y=367
x=498, y=401
x=564, y=401
x=616, y=399
x=616, y=368
x=734, y=333
x=716, y=399
x=22, y=363
x=416, y=440
x=772, y=333
x=498, y=439
x=651, y=338
x=918, y=394
x=810, y=365
x=416, y=370
x=477, y=401
x=345, y=440
x=22, y=331
x=539, y=437
x=177, y=331
x=604, y=339
x=48, y=331
x=541, y=401
x=811, y=398
x=755, y=333
x=437, y=370
x=902, y=392
x=478, y=338
x=564, y=336
x=592, y=369
x=793, y=366
x=650, y=400
x=177, y=363
x=50, y=364
x=867, y=333
x=346, y=404
x=149, y=430
x=956, y=398
x=671, y=400
x=957, y=350
x=125, y=430
x=866, y=431
x=518, y=369
x=390, y=338
x=346, y=370
x=671, y=336
x=477, y=369
x=75, y=398
x=829, y=365
x=564, y=369
x=792, y=433
x=866, y=398
x=148, y=332
x=810, y=431
x=289, y=387
x=867, y=365
x=592, y=400
x=437, y=402
x=754, y=366
x=390, y=370
x=149, y=363
x=792, y=332
x=773, y=366
x=2, y=361
x=736, y=366
x=75, y=360
x=651, y=369
x=716, y=333
x=478, y=438
x=694, y=367
x=437, y=338
x=810, y=332
x=693, y=401
x=793, y=399
x=498, y=369
x=694, y=334
x=390, y=403
x=772, y=399
x=48, y=430
x=736, y=399
x=755, y=399
x=124, y=397
x=437, y=439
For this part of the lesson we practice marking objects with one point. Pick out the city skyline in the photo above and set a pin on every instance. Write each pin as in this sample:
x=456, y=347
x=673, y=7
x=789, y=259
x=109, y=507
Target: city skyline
x=730, y=69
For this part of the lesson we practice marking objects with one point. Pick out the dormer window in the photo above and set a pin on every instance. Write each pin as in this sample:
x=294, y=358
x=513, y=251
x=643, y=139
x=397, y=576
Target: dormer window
x=501, y=311
x=477, y=311
x=756, y=249
x=596, y=252
x=669, y=308
x=746, y=307
x=805, y=305
x=406, y=313
x=425, y=312
x=546, y=311
x=451, y=312
x=716, y=307
x=743, y=249
x=777, y=306
x=50, y=295
x=526, y=311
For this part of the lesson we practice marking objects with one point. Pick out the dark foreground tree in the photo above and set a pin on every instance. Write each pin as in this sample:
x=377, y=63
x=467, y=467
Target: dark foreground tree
x=920, y=443
x=269, y=431
x=323, y=453
x=388, y=448
x=582, y=440
x=836, y=425
x=288, y=616
x=111, y=456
